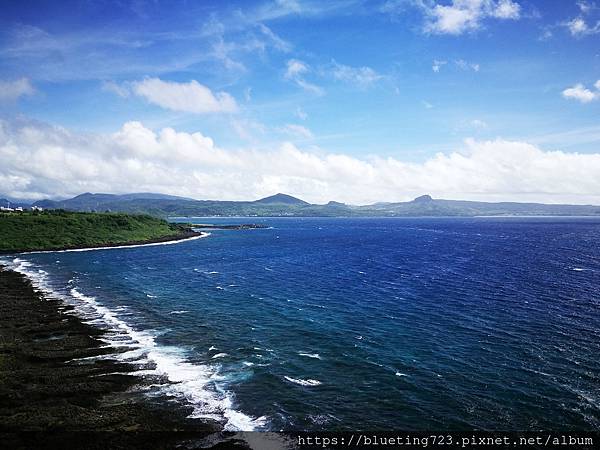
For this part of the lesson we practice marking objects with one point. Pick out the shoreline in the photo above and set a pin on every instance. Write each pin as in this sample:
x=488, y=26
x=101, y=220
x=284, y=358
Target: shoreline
x=167, y=240
x=57, y=390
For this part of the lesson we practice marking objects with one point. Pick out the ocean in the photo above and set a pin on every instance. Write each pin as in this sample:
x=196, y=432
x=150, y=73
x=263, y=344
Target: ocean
x=346, y=324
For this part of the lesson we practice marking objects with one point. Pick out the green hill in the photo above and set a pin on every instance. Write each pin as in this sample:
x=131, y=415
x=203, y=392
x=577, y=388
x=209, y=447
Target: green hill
x=54, y=230
x=282, y=205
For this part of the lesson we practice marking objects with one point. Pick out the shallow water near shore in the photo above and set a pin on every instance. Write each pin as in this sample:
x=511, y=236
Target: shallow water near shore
x=329, y=324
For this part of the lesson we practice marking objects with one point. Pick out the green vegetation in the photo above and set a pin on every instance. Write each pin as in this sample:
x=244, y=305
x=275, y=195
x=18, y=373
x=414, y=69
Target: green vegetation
x=281, y=205
x=51, y=230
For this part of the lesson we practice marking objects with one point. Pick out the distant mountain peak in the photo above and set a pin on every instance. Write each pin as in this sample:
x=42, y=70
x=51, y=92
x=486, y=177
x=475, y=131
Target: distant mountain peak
x=281, y=199
x=423, y=199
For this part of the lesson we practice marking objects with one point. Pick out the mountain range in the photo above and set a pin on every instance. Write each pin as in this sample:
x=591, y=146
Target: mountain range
x=286, y=205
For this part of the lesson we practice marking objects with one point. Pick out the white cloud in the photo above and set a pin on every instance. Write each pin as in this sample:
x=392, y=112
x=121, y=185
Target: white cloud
x=581, y=93
x=310, y=87
x=360, y=76
x=586, y=7
x=437, y=65
x=301, y=114
x=295, y=68
x=118, y=89
x=363, y=76
x=12, y=90
x=248, y=94
x=426, y=104
x=40, y=160
x=248, y=129
x=464, y=65
x=297, y=131
x=460, y=63
x=546, y=35
x=466, y=15
x=578, y=27
x=506, y=9
x=191, y=97
x=478, y=123
x=295, y=71
x=274, y=39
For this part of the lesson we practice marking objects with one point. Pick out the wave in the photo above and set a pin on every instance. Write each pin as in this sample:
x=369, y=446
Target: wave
x=193, y=383
x=307, y=382
x=310, y=355
x=89, y=249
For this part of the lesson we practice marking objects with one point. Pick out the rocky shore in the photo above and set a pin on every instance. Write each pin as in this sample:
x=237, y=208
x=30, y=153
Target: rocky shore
x=51, y=398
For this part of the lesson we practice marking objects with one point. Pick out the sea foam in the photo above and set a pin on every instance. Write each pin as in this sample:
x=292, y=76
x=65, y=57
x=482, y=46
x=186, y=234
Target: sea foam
x=310, y=355
x=301, y=382
x=194, y=383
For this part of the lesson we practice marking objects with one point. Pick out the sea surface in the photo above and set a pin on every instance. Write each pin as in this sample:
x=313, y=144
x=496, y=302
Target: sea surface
x=371, y=324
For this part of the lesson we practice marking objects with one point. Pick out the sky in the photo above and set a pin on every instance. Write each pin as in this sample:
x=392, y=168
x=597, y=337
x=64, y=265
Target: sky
x=358, y=101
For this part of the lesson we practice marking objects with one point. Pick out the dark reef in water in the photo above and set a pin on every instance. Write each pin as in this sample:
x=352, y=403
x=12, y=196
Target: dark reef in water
x=243, y=226
x=51, y=398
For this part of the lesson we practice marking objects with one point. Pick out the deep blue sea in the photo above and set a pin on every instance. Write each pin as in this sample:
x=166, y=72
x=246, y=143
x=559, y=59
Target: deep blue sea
x=333, y=324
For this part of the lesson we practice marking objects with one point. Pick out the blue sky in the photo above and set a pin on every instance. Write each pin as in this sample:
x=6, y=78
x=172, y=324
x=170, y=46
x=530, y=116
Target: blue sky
x=402, y=80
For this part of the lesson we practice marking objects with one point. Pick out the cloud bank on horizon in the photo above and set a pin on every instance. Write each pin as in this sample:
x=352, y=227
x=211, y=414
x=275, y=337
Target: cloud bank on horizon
x=41, y=160
x=348, y=100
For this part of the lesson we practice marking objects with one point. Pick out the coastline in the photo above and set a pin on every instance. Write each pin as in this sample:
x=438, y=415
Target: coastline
x=166, y=240
x=52, y=396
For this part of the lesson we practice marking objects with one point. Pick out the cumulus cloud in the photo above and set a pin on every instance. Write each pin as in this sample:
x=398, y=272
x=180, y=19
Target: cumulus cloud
x=13, y=89
x=506, y=9
x=191, y=97
x=580, y=93
x=461, y=16
x=579, y=27
x=40, y=160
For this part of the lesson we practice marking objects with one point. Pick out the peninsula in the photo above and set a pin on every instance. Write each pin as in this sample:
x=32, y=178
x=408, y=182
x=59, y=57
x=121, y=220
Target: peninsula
x=63, y=230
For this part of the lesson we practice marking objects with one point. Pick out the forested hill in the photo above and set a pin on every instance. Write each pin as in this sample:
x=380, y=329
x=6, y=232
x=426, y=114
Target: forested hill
x=57, y=230
x=286, y=205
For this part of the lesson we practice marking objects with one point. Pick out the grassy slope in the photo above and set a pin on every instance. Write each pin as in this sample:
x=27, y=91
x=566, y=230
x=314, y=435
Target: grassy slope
x=60, y=229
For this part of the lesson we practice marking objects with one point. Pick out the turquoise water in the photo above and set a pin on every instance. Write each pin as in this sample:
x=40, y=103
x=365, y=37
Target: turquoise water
x=331, y=324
